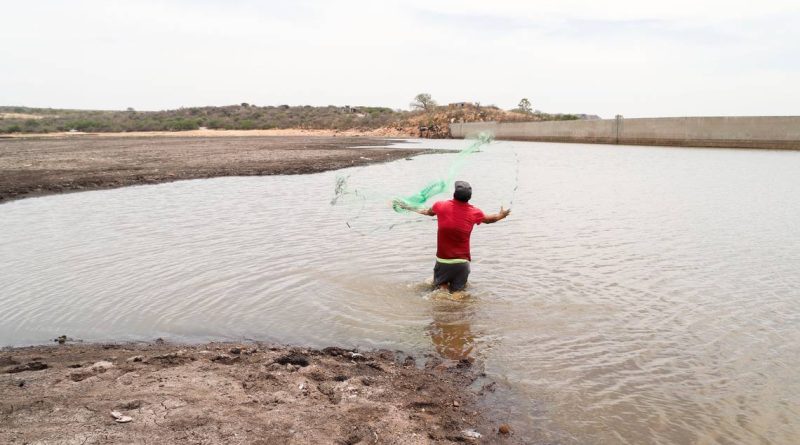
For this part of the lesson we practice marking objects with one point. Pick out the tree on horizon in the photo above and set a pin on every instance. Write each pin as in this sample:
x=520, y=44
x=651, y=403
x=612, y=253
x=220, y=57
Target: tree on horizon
x=525, y=106
x=423, y=101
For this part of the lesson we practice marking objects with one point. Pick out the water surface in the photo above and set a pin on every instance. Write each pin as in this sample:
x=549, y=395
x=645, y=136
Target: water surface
x=635, y=295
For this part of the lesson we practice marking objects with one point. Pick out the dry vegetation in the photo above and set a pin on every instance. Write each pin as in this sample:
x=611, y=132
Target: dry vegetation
x=234, y=117
x=251, y=117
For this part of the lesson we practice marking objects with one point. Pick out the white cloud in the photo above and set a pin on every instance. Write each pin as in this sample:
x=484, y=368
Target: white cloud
x=634, y=58
x=614, y=10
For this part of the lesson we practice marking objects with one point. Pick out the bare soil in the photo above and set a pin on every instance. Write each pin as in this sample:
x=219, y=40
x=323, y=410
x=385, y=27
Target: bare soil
x=40, y=166
x=383, y=132
x=222, y=393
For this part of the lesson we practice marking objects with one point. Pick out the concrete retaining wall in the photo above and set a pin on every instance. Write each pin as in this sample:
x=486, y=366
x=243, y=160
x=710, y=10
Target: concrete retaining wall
x=735, y=132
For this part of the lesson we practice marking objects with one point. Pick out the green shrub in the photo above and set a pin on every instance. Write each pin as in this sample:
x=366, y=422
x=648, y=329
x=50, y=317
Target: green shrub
x=246, y=124
x=215, y=123
x=183, y=124
x=84, y=125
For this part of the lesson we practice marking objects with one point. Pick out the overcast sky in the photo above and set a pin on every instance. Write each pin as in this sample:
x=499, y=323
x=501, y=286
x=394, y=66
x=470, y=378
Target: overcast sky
x=636, y=58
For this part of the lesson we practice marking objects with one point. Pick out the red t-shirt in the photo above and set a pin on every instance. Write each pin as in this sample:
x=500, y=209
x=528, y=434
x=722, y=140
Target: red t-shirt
x=456, y=220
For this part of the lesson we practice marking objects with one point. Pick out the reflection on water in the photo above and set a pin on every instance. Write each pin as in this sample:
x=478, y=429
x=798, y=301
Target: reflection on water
x=450, y=330
x=635, y=295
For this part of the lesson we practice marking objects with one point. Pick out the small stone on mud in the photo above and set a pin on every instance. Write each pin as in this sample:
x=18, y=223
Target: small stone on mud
x=471, y=434
x=435, y=435
x=80, y=376
x=316, y=376
x=504, y=429
x=120, y=418
x=136, y=358
x=386, y=354
x=334, y=351
x=101, y=366
x=170, y=359
x=236, y=351
x=294, y=359
x=7, y=361
x=487, y=387
x=328, y=390
x=225, y=359
x=455, y=403
x=133, y=404
x=325, y=388
x=376, y=366
x=32, y=366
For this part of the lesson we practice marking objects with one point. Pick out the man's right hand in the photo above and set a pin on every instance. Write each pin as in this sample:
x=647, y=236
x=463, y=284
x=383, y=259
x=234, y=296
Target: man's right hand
x=488, y=219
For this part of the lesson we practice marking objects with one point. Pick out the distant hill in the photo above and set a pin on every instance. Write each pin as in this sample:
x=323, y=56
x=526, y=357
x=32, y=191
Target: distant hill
x=246, y=117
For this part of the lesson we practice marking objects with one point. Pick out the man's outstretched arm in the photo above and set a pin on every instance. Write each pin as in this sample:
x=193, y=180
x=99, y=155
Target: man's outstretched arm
x=488, y=219
x=421, y=210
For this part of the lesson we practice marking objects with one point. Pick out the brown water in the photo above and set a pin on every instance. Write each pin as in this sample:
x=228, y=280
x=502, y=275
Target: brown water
x=636, y=295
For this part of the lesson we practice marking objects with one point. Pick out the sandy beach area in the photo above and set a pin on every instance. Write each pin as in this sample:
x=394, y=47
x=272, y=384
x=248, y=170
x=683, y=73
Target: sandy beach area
x=35, y=166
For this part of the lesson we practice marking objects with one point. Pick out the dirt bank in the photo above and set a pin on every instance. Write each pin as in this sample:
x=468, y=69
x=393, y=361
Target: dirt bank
x=386, y=132
x=39, y=166
x=235, y=393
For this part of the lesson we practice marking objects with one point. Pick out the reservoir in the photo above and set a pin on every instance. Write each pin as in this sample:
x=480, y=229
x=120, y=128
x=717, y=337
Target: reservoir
x=635, y=294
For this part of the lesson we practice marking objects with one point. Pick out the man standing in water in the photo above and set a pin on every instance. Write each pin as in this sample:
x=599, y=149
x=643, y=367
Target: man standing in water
x=456, y=218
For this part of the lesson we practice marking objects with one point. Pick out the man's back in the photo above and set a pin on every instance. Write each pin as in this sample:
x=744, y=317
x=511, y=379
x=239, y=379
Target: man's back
x=456, y=220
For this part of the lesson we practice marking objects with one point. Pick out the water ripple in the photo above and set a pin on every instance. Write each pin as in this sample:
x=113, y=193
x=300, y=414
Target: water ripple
x=636, y=295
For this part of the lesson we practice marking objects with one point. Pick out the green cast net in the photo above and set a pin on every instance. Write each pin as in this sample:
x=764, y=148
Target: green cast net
x=440, y=185
x=364, y=205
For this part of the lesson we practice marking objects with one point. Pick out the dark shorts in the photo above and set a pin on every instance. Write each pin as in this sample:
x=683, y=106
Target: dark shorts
x=454, y=275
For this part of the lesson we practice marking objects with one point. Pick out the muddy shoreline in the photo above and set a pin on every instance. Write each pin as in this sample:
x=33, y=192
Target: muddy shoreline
x=41, y=166
x=238, y=393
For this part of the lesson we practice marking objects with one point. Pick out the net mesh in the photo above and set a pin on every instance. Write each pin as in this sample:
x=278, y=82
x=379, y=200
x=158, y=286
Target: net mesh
x=440, y=185
x=359, y=197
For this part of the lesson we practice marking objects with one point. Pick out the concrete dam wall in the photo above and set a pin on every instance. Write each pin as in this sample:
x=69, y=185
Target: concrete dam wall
x=735, y=132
